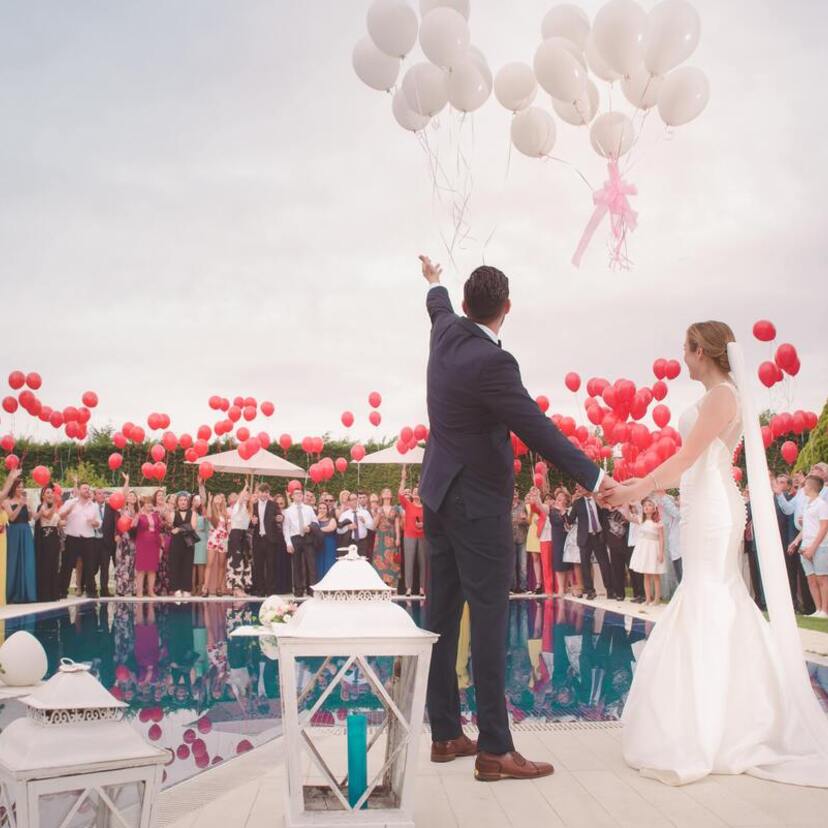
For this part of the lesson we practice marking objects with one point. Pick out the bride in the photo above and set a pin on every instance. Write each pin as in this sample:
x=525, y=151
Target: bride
x=718, y=689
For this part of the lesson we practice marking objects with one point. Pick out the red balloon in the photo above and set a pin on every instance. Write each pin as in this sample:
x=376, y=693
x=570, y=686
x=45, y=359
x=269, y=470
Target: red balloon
x=33, y=380
x=117, y=500
x=249, y=401
x=767, y=435
x=541, y=467
x=185, y=441
x=204, y=432
x=148, y=470
x=89, y=399
x=115, y=460
x=204, y=724
x=205, y=470
x=17, y=379
x=314, y=472
x=767, y=374
x=243, y=746
x=595, y=415
x=234, y=413
x=572, y=381
x=357, y=452
x=12, y=461
x=214, y=402
x=7, y=443
x=154, y=421
x=285, y=442
x=793, y=370
x=518, y=466
x=182, y=752
x=420, y=432
x=665, y=448
x=318, y=445
x=72, y=429
x=191, y=455
x=267, y=408
x=169, y=441
x=737, y=474
x=225, y=404
x=798, y=424
x=374, y=399
x=567, y=426
x=41, y=475
x=659, y=390
x=543, y=403
x=347, y=419
x=786, y=421
x=661, y=415
x=45, y=413
x=375, y=418
x=789, y=452
x=307, y=444
x=264, y=439
x=293, y=486
x=341, y=464
x=672, y=369
x=160, y=470
x=124, y=524
x=811, y=420
x=10, y=404
x=137, y=434
x=538, y=480
x=764, y=330
x=660, y=369
x=239, y=401
x=154, y=732
x=786, y=356
x=249, y=412
x=609, y=395
x=157, y=452
x=406, y=433
x=242, y=434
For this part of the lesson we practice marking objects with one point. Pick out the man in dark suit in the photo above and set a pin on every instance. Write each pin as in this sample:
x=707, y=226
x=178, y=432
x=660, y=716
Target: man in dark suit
x=265, y=539
x=592, y=525
x=475, y=398
x=106, y=544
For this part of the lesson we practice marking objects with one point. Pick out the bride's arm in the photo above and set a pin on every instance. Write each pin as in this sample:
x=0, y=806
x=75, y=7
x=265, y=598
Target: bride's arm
x=716, y=412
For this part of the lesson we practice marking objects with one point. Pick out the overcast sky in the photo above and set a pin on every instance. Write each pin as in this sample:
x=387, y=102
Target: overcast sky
x=200, y=197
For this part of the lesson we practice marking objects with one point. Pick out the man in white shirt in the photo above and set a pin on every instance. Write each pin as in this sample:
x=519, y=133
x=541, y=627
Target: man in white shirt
x=82, y=519
x=296, y=526
x=354, y=525
x=813, y=543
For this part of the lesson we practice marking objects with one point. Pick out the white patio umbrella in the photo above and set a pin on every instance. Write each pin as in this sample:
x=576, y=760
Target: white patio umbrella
x=263, y=463
x=390, y=456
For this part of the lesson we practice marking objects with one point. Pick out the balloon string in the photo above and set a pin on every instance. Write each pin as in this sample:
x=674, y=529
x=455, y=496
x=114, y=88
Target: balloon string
x=500, y=207
x=572, y=166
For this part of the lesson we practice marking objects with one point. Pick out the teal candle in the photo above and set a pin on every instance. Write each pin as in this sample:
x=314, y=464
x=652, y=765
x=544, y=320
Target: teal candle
x=357, y=757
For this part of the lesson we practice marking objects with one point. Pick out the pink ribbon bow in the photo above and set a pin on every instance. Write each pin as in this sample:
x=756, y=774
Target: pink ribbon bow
x=612, y=199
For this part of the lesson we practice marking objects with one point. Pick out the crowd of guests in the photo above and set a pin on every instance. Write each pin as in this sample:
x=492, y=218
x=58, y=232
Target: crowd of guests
x=251, y=542
x=258, y=542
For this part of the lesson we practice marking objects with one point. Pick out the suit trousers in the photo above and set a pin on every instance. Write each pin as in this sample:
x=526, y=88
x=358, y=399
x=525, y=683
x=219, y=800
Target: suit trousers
x=473, y=561
x=595, y=544
x=798, y=582
x=304, y=563
x=618, y=563
x=83, y=549
x=414, y=548
x=264, y=565
x=106, y=553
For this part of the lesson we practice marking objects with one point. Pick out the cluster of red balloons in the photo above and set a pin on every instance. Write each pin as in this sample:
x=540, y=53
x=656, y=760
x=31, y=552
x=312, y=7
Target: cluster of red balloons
x=666, y=368
x=323, y=470
x=784, y=424
x=374, y=417
x=409, y=438
x=313, y=445
x=785, y=360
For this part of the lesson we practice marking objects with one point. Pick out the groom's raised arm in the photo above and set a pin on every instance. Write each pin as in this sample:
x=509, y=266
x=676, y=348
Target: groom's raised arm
x=503, y=393
x=438, y=302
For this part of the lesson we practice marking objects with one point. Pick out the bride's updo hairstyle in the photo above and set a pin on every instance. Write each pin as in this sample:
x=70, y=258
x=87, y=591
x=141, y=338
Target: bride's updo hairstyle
x=712, y=338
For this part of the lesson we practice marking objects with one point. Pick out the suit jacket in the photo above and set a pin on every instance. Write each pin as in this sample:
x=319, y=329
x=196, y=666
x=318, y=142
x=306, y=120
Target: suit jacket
x=579, y=512
x=475, y=398
x=108, y=527
x=272, y=529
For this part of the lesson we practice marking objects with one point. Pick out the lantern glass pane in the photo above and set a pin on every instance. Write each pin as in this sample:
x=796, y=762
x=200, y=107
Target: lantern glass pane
x=61, y=809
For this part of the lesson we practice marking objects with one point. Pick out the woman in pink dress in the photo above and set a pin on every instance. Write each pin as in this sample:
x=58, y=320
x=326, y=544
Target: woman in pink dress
x=147, y=525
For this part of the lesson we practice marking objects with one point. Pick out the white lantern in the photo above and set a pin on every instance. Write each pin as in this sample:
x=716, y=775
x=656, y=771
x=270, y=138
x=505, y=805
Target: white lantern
x=73, y=760
x=352, y=617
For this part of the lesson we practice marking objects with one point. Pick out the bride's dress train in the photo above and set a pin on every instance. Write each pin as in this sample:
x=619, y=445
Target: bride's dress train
x=715, y=690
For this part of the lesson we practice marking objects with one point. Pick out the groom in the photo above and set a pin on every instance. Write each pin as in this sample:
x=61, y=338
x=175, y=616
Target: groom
x=475, y=398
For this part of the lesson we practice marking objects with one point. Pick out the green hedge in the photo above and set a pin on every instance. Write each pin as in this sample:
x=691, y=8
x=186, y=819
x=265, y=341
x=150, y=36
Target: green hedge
x=815, y=449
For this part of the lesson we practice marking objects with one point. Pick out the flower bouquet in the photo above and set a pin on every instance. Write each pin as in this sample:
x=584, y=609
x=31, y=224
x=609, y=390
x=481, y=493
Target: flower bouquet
x=276, y=610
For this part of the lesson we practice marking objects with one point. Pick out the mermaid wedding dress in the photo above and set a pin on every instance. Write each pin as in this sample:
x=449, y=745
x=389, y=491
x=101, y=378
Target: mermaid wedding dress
x=719, y=689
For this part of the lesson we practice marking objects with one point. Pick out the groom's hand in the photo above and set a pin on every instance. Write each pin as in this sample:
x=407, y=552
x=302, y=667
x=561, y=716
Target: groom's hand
x=610, y=495
x=431, y=272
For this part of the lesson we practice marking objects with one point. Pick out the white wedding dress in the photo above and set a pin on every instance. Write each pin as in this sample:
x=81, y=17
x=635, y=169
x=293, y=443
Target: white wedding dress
x=717, y=688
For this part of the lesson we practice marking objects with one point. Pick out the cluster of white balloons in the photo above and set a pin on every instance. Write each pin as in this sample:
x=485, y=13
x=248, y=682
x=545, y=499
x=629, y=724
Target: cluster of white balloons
x=624, y=44
x=455, y=72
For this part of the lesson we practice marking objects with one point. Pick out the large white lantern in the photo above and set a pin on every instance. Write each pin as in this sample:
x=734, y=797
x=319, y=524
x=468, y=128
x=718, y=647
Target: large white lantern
x=74, y=762
x=350, y=620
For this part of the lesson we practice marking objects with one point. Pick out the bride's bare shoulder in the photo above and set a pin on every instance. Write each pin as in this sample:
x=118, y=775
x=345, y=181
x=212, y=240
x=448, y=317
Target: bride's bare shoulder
x=720, y=401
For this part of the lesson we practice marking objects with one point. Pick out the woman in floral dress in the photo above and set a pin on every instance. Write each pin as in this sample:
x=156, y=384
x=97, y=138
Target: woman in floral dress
x=125, y=551
x=214, y=576
x=387, y=543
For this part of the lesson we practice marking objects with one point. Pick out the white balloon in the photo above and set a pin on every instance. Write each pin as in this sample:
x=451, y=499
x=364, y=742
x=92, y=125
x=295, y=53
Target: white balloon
x=619, y=30
x=582, y=111
x=392, y=25
x=24, y=660
x=515, y=86
x=566, y=20
x=467, y=86
x=373, y=67
x=405, y=116
x=480, y=59
x=673, y=29
x=683, y=96
x=444, y=37
x=558, y=72
x=611, y=135
x=533, y=132
x=425, y=89
x=641, y=88
x=463, y=6
x=598, y=65
x=571, y=48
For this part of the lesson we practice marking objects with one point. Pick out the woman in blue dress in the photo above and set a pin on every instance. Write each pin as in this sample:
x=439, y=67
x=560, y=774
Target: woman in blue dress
x=20, y=567
x=326, y=556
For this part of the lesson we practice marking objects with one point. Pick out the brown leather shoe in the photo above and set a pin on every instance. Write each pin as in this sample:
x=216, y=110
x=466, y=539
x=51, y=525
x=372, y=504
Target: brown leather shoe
x=449, y=751
x=490, y=767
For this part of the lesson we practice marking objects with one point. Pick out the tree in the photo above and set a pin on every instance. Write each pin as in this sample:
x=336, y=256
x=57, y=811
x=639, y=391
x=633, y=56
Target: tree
x=816, y=449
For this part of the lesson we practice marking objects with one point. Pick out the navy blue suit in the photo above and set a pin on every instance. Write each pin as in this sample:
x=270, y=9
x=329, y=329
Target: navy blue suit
x=475, y=398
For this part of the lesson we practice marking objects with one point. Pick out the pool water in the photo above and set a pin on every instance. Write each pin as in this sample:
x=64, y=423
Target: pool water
x=207, y=697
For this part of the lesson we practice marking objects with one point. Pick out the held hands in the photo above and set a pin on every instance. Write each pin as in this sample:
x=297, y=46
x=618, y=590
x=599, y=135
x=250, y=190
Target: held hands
x=431, y=272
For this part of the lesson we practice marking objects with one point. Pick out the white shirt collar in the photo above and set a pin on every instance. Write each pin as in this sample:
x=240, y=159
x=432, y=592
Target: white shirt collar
x=489, y=332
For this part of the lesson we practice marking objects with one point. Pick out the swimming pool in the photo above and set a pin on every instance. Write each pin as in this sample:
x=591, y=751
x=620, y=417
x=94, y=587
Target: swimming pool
x=207, y=697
